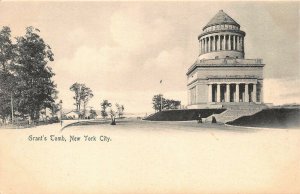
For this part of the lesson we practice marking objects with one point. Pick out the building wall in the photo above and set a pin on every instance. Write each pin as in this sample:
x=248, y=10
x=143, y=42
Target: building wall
x=202, y=93
x=198, y=80
x=204, y=72
x=222, y=55
x=229, y=71
x=260, y=94
x=200, y=89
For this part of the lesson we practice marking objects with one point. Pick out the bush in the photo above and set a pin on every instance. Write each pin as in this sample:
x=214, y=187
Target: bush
x=53, y=120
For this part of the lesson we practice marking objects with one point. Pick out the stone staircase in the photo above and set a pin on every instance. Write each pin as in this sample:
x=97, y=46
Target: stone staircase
x=235, y=111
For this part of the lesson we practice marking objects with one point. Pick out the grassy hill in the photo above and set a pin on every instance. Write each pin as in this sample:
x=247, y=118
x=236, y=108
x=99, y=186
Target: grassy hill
x=182, y=115
x=271, y=118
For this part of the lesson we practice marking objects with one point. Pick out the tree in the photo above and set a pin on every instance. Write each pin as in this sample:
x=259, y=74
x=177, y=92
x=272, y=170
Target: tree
x=55, y=107
x=112, y=114
x=85, y=95
x=120, y=109
x=33, y=77
x=76, y=87
x=82, y=96
x=160, y=102
x=104, y=105
x=93, y=114
x=7, y=79
x=171, y=104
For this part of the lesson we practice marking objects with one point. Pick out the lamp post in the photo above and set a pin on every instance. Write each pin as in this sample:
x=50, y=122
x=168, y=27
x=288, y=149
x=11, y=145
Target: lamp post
x=161, y=97
x=60, y=103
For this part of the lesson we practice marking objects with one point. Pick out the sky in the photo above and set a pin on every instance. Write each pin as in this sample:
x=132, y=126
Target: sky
x=121, y=50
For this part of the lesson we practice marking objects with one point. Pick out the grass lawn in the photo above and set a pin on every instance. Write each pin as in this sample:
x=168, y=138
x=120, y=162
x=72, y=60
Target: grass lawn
x=151, y=157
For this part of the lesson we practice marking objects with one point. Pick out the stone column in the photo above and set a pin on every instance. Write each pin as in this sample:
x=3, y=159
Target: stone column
x=218, y=93
x=216, y=43
x=246, y=93
x=227, y=92
x=224, y=42
x=219, y=42
x=237, y=93
x=205, y=44
x=238, y=43
x=229, y=41
x=234, y=46
x=206, y=47
x=239, y=47
x=254, y=93
x=209, y=95
x=215, y=40
x=209, y=44
x=242, y=44
x=212, y=43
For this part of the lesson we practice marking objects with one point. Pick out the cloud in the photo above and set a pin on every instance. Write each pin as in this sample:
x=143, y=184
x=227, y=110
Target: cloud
x=76, y=36
x=132, y=29
x=122, y=71
x=169, y=66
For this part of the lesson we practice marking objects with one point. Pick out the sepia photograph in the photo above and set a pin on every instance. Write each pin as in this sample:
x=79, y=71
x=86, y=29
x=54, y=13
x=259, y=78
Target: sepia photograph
x=157, y=97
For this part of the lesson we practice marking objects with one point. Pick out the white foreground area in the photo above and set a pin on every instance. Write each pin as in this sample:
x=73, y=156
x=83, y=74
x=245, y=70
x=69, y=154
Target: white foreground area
x=150, y=157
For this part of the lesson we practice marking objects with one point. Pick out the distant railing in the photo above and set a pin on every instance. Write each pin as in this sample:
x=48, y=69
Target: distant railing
x=229, y=61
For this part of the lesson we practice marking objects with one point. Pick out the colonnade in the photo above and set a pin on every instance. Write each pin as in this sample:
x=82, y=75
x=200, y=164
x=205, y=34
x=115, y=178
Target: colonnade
x=236, y=92
x=221, y=42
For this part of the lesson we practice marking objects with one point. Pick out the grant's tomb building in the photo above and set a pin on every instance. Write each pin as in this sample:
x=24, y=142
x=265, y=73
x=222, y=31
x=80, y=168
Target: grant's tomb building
x=221, y=76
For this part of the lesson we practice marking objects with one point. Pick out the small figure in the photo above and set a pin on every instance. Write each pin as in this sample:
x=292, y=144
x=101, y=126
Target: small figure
x=199, y=118
x=113, y=122
x=213, y=120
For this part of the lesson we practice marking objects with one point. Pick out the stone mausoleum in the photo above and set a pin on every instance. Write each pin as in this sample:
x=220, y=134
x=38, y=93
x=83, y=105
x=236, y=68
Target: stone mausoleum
x=221, y=76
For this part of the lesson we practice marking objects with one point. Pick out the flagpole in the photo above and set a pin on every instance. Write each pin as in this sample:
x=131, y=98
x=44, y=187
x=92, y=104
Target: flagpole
x=161, y=102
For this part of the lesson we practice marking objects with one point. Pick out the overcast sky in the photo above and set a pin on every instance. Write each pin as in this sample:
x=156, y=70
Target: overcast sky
x=122, y=50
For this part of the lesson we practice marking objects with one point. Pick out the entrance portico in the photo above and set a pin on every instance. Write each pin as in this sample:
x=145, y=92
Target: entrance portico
x=232, y=90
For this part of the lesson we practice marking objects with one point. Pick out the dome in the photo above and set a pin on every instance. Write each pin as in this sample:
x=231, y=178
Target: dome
x=221, y=18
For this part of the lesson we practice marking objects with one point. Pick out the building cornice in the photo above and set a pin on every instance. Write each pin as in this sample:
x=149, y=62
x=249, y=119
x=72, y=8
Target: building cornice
x=222, y=31
x=231, y=79
x=195, y=66
x=217, y=51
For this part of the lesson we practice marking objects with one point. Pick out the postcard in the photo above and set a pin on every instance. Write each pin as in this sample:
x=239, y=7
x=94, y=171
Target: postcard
x=149, y=97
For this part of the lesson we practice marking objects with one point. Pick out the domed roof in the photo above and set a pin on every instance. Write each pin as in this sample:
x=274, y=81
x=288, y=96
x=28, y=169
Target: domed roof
x=221, y=18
